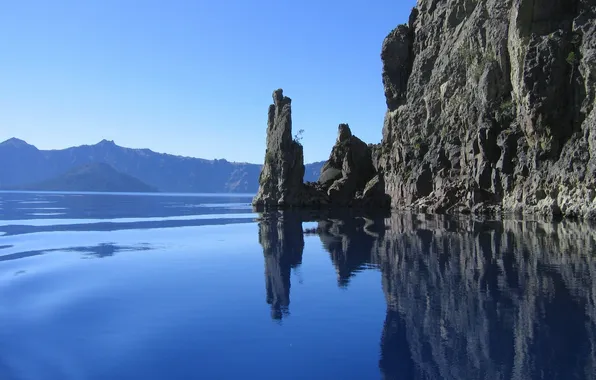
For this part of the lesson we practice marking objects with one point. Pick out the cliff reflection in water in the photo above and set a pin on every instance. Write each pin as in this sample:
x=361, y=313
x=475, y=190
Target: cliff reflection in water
x=465, y=298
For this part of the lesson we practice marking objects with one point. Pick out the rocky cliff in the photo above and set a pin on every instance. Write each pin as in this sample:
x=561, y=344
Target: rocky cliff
x=348, y=178
x=490, y=106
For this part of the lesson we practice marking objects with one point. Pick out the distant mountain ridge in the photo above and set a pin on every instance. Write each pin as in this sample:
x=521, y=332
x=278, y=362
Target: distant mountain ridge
x=96, y=176
x=23, y=164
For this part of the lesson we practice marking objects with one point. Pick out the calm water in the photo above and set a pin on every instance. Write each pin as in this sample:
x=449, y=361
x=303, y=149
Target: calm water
x=115, y=286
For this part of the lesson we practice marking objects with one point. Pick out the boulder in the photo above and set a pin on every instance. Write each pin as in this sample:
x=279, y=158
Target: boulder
x=349, y=168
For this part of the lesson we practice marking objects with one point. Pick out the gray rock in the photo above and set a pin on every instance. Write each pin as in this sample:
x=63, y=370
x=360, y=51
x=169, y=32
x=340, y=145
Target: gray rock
x=489, y=102
x=281, y=179
x=343, y=177
x=349, y=168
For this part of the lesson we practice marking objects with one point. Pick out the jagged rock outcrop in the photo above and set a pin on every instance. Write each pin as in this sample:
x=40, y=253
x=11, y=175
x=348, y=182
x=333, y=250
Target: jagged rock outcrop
x=490, y=106
x=280, y=182
x=348, y=178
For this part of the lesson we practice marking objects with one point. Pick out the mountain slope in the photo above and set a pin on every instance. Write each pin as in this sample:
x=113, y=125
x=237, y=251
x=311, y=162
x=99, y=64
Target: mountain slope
x=166, y=172
x=92, y=177
x=21, y=164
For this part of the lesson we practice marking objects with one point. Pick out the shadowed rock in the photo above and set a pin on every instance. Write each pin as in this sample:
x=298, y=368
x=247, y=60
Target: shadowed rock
x=349, y=168
x=281, y=179
x=348, y=178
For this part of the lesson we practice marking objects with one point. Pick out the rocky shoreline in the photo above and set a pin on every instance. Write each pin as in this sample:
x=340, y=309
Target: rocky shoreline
x=490, y=108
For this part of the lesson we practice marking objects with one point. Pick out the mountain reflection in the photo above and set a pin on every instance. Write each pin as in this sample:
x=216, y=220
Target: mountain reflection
x=466, y=299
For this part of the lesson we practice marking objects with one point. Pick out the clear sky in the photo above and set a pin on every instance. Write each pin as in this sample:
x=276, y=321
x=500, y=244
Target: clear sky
x=191, y=77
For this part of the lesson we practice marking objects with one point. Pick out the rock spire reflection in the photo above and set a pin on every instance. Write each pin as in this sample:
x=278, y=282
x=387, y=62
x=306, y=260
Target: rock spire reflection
x=465, y=298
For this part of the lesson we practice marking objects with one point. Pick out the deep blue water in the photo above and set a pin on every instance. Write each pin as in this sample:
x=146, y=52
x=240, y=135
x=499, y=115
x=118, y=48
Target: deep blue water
x=114, y=286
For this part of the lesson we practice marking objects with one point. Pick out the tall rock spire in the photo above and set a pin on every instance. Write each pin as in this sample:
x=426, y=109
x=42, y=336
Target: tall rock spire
x=348, y=179
x=281, y=179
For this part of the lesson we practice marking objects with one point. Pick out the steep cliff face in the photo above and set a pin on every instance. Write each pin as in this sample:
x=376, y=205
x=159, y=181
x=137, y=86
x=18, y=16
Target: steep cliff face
x=490, y=105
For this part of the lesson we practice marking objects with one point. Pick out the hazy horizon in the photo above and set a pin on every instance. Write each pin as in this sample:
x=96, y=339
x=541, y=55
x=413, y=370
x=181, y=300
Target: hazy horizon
x=192, y=78
x=154, y=151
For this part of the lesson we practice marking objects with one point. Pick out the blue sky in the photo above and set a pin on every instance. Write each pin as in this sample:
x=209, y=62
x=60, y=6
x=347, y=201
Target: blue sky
x=191, y=77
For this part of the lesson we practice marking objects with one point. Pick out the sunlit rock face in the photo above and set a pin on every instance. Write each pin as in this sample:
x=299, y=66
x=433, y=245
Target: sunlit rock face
x=490, y=106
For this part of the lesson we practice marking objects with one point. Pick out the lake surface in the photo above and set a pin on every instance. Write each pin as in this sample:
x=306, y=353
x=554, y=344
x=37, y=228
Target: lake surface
x=114, y=286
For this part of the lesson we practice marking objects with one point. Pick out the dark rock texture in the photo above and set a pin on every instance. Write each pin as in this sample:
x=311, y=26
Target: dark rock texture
x=281, y=179
x=349, y=168
x=490, y=106
x=348, y=178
